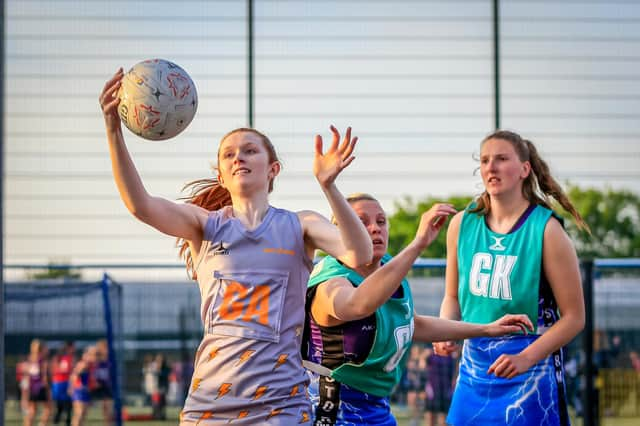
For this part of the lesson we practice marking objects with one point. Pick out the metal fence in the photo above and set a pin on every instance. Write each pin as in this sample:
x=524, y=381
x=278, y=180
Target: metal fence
x=160, y=312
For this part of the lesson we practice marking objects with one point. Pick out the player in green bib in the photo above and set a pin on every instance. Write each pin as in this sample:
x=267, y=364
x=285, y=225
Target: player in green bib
x=361, y=323
x=508, y=252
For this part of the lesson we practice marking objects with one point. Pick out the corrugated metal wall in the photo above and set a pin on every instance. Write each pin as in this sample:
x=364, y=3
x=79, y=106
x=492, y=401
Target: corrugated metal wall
x=413, y=78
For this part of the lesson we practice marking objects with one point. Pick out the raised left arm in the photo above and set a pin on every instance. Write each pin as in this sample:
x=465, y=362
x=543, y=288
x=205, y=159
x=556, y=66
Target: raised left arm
x=349, y=241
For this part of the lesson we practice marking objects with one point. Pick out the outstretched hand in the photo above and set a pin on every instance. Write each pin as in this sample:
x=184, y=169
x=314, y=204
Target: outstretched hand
x=327, y=166
x=109, y=100
x=431, y=222
x=508, y=324
x=445, y=348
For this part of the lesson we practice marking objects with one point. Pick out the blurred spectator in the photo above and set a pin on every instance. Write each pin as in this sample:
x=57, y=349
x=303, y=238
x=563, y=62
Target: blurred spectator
x=35, y=384
x=416, y=372
x=159, y=397
x=441, y=372
x=174, y=391
x=150, y=379
x=61, y=367
x=21, y=374
x=100, y=379
x=79, y=383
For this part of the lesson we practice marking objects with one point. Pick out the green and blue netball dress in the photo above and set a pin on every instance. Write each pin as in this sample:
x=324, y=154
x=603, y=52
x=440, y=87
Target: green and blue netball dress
x=356, y=365
x=500, y=274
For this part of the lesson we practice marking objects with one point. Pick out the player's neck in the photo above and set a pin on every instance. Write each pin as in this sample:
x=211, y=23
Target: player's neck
x=251, y=211
x=505, y=212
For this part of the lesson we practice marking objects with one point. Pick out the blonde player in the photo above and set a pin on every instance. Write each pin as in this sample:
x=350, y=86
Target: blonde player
x=361, y=323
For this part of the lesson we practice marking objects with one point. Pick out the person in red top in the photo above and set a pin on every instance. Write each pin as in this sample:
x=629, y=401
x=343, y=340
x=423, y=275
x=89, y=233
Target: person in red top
x=61, y=366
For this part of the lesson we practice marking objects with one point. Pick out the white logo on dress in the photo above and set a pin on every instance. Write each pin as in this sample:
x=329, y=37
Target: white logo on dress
x=497, y=245
x=219, y=249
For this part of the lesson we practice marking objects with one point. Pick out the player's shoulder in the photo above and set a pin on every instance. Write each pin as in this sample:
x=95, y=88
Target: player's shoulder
x=554, y=228
x=457, y=218
x=454, y=223
x=305, y=215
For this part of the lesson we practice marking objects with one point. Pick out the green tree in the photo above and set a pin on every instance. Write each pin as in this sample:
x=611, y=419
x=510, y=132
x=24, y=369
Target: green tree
x=404, y=223
x=614, y=219
x=613, y=216
x=55, y=271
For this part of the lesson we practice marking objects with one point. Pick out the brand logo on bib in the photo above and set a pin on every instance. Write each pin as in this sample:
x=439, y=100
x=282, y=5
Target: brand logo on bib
x=218, y=249
x=497, y=245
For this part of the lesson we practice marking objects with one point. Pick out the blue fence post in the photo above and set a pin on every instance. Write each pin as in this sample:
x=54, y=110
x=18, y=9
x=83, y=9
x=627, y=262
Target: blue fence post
x=113, y=364
x=589, y=398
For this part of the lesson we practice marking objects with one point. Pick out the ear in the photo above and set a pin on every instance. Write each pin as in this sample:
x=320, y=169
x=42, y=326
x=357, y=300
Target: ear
x=274, y=170
x=220, y=181
x=526, y=170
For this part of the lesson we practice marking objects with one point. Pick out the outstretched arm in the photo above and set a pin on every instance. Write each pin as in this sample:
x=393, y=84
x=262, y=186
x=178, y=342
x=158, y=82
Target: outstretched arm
x=349, y=242
x=179, y=220
x=450, y=307
x=561, y=269
x=433, y=329
x=337, y=301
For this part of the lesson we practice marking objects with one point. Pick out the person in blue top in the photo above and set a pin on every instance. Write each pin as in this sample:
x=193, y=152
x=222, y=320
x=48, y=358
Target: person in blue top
x=79, y=386
x=508, y=252
x=361, y=323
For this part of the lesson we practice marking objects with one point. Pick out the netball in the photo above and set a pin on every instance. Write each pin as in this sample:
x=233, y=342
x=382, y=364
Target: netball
x=158, y=99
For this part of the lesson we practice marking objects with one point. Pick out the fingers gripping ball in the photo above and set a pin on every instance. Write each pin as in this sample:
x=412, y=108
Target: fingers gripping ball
x=158, y=99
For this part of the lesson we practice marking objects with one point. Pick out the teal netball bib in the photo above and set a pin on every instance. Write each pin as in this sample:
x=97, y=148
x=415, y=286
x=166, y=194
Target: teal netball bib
x=500, y=273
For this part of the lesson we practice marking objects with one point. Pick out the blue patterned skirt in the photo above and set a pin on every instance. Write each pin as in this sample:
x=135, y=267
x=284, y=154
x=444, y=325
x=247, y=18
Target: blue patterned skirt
x=534, y=398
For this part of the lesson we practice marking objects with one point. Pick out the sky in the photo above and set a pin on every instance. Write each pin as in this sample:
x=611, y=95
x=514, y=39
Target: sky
x=413, y=78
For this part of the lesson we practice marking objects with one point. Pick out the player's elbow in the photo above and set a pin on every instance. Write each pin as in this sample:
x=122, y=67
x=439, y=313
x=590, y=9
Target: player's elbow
x=137, y=211
x=140, y=211
x=358, y=309
x=577, y=320
x=357, y=258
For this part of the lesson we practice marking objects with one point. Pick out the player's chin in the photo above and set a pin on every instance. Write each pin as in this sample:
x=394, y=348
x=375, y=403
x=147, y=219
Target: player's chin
x=377, y=254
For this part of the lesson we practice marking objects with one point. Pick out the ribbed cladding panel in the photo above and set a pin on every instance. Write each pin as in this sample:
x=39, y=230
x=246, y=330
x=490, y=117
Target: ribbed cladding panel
x=571, y=84
x=61, y=202
x=413, y=79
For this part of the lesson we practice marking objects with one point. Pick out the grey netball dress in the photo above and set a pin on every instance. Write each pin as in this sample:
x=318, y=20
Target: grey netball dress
x=248, y=368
